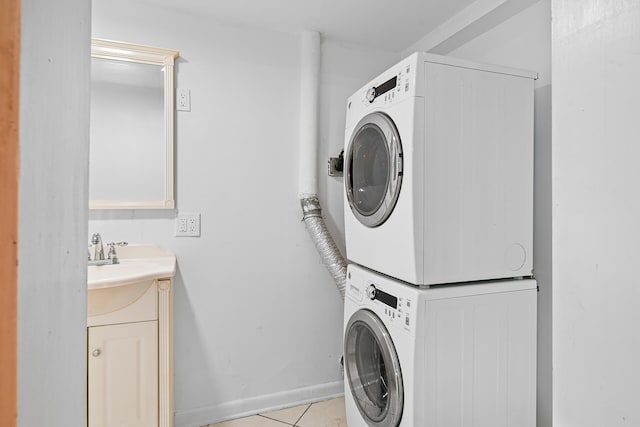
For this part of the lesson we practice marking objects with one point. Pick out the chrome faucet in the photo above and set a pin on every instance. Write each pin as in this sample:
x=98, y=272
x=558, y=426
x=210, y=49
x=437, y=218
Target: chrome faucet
x=113, y=256
x=98, y=249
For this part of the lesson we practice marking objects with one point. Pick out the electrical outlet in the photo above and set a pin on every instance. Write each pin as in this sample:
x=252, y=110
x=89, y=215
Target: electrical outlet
x=193, y=225
x=183, y=101
x=188, y=225
x=181, y=225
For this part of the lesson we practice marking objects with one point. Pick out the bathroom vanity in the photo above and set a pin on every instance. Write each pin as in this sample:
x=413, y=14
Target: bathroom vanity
x=130, y=339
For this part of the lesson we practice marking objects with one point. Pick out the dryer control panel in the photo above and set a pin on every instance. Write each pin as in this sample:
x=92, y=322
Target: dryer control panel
x=387, y=89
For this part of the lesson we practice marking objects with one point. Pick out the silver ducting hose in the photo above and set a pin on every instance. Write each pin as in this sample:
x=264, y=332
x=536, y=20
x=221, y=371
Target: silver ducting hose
x=326, y=247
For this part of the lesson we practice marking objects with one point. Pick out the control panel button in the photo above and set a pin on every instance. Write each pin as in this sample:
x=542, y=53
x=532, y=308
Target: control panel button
x=371, y=292
x=371, y=94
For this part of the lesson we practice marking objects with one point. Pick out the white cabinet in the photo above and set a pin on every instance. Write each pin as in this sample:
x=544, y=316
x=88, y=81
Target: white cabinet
x=130, y=355
x=123, y=375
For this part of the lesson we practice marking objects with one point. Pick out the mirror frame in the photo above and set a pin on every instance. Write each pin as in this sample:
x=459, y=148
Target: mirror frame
x=121, y=51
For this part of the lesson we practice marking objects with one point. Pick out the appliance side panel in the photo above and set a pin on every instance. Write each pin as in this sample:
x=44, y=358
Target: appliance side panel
x=481, y=360
x=478, y=175
x=522, y=357
x=446, y=393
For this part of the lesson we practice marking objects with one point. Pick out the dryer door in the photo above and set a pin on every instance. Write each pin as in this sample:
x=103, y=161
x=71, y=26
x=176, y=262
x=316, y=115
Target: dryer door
x=373, y=370
x=373, y=169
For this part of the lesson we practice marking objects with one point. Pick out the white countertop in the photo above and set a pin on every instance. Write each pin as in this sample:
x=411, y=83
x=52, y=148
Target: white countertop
x=137, y=263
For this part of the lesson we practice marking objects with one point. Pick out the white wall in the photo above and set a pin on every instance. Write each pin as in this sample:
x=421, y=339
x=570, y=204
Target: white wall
x=52, y=286
x=258, y=319
x=524, y=41
x=596, y=206
x=469, y=23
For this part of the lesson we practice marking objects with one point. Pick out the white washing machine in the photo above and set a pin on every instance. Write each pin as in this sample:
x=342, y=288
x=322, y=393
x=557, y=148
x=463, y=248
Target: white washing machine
x=439, y=172
x=443, y=356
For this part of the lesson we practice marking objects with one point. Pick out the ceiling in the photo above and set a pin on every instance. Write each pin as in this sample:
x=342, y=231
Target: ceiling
x=381, y=24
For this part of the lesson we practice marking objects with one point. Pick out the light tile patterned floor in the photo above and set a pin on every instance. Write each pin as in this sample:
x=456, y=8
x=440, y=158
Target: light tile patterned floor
x=329, y=413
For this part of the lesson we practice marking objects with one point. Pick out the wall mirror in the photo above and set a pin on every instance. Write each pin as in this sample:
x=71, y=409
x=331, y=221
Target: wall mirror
x=131, y=162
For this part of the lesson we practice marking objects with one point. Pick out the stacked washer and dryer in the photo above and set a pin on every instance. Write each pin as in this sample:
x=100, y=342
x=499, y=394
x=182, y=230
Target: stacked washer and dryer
x=440, y=307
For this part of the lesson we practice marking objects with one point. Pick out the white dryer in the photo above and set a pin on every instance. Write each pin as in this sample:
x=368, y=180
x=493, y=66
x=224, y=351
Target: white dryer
x=439, y=172
x=449, y=356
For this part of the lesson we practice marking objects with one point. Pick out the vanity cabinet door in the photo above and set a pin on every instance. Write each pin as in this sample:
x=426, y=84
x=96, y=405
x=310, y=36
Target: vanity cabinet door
x=123, y=375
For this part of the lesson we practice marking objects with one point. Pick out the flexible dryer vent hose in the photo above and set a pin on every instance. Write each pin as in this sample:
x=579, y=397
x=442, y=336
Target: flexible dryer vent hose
x=329, y=252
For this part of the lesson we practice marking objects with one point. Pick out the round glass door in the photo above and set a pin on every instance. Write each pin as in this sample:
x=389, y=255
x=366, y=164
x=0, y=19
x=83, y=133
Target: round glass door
x=373, y=169
x=373, y=370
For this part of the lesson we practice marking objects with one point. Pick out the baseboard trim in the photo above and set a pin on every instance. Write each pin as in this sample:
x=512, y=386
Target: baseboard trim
x=255, y=405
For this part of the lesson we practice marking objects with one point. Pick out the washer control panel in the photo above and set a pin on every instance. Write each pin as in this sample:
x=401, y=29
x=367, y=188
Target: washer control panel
x=400, y=315
x=394, y=308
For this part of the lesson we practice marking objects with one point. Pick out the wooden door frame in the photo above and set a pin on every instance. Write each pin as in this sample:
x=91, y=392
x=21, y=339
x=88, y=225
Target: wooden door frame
x=9, y=164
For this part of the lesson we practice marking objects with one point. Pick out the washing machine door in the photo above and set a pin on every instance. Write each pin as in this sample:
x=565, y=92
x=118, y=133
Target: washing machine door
x=373, y=169
x=373, y=370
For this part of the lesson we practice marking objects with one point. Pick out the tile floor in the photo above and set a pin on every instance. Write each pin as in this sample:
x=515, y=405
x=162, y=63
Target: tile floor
x=329, y=413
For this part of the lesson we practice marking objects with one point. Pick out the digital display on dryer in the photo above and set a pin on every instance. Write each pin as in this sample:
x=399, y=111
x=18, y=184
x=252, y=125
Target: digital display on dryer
x=386, y=298
x=386, y=86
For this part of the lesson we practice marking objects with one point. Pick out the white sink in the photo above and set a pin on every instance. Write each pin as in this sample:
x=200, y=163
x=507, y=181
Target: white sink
x=137, y=263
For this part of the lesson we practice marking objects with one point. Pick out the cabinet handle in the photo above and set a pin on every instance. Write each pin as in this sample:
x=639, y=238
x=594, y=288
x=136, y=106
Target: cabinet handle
x=96, y=352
